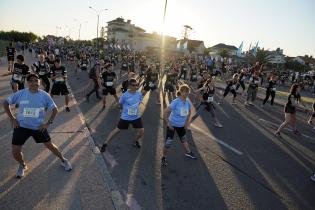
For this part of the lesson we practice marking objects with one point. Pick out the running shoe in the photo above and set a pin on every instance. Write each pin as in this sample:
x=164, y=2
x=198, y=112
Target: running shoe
x=296, y=132
x=309, y=122
x=20, y=171
x=218, y=125
x=190, y=155
x=277, y=134
x=103, y=148
x=313, y=177
x=163, y=161
x=137, y=144
x=67, y=109
x=66, y=164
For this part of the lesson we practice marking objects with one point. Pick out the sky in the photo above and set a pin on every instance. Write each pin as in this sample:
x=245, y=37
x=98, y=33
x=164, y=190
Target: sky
x=288, y=24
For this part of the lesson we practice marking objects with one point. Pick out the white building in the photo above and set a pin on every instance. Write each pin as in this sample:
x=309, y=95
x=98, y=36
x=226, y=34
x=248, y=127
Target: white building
x=127, y=34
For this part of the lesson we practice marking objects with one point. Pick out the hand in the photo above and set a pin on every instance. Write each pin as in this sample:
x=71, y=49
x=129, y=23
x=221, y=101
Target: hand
x=15, y=123
x=169, y=125
x=43, y=127
x=187, y=125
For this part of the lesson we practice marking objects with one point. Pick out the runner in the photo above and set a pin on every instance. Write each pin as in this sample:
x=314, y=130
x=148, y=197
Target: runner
x=124, y=67
x=208, y=98
x=231, y=86
x=271, y=90
x=151, y=82
x=20, y=72
x=42, y=69
x=109, y=79
x=310, y=121
x=170, y=85
x=59, y=87
x=10, y=55
x=252, y=89
x=129, y=102
x=177, y=117
x=94, y=76
x=241, y=80
x=290, y=110
x=183, y=70
x=30, y=121
x=125, y=84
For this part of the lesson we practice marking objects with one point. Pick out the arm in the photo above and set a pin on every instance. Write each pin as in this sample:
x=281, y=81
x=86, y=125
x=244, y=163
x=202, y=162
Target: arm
x=166, y=115
x=50, y=120
x=7, y=109
x=188, y=119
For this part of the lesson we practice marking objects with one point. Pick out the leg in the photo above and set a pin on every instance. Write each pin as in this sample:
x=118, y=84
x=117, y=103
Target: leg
x=139, y=135
x=54, y=149
x=67, y=100
x=293, y=121
x=168, y=140
x=112, y=135
x=286, y=121
x=267, y=97
x=17, y=154
x=273, y=95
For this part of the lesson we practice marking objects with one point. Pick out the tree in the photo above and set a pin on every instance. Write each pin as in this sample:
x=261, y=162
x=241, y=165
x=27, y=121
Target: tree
x=262, y=56
x=16, y=36
x=224, y=53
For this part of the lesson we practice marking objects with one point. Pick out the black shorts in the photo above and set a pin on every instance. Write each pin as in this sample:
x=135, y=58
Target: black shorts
x=59, y=89
x=169, y=88
x=20, y=135
x=124, y=124
x=181, y=132
x=20, y=84
x=10, y=58
x=83, y=68
x=110, y=90
x=289, y=109
x=147, y=87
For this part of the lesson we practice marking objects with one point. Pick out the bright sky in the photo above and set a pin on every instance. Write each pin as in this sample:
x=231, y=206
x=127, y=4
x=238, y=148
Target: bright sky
x=288, y=24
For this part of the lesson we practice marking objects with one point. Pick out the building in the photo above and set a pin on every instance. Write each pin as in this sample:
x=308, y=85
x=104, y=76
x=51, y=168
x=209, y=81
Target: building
x=217, y=49
x=123, y=33
x=276, y=57
x=190, y=46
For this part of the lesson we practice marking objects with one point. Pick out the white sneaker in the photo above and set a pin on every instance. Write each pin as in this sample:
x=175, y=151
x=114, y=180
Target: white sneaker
x=218, y=125
x=20, y=171
x=313, y=177
x=66, y=164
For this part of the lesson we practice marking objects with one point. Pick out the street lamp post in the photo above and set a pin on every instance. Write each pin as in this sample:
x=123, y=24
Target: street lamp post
x=80, y=23
x=98, y=12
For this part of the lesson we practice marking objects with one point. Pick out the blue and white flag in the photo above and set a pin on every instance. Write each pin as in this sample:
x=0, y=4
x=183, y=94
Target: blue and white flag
x=239, y=50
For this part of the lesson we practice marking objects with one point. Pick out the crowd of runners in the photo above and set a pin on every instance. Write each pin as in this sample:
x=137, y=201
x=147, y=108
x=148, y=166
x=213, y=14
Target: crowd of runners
x=178, y=82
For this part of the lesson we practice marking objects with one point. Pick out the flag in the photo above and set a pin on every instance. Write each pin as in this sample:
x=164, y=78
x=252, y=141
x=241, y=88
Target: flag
x=239, y=50
x=255, y=49
x=250, y=46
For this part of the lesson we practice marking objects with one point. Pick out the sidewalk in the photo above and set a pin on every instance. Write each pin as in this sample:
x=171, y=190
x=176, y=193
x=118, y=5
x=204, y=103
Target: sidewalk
x=46, y=185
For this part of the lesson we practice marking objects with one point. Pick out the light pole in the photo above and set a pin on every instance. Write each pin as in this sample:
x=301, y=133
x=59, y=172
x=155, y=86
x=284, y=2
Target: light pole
x=80, y=23
x=163, y=39
x=98, y=12
x=57, y=28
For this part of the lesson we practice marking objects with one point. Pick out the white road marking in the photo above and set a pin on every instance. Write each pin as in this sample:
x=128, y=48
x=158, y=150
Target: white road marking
x=217, y=140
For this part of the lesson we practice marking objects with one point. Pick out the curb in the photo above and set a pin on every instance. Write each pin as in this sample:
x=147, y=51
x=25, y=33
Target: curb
x=115, y=195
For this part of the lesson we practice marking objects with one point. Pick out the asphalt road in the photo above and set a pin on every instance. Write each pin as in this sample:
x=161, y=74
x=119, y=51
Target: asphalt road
x=240, y=166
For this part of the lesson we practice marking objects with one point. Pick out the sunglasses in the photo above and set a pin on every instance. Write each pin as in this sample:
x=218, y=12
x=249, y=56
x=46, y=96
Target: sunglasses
x=134, y=85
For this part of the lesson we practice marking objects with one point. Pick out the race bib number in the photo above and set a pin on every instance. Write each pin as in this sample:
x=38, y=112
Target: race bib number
x=109, y=83
x=41, y=73
x=210, y=99
x=233, y=87
x=132, y=111
x=256, y=82
x=124, y=65
x=183, y=112
x=274, y=89
x=151, y=84
x=31, y=112
x=60, y=79
x=17, y=77
x=84, y=65
x=194, y=76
